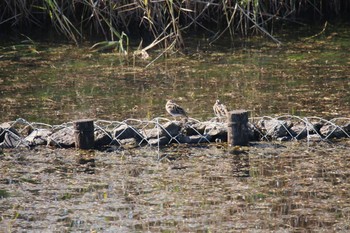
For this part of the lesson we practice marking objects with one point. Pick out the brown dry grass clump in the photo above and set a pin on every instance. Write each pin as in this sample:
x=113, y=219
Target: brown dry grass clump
x=163, y=22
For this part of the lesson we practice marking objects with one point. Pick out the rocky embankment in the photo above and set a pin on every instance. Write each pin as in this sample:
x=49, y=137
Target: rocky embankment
x=192, y=132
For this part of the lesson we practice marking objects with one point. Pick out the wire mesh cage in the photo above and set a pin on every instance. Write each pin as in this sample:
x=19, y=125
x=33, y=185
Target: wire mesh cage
x=161, y=131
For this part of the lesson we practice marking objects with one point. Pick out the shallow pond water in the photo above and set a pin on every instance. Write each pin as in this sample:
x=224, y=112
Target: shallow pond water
x=53, y=83
x=266, y=187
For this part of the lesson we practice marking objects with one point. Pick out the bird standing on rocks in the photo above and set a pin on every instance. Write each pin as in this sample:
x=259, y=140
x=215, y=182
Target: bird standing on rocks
x=220, y=109
x=175, y=110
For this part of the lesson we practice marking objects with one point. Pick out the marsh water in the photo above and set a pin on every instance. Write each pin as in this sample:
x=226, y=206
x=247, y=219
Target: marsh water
x=53, y=83
x=263, y=188
x=268, y=186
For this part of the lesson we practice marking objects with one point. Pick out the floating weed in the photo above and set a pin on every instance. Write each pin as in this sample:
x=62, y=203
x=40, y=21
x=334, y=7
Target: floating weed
x=4, y=193
x=66, y=196
x=296, y=57
x=30, y=180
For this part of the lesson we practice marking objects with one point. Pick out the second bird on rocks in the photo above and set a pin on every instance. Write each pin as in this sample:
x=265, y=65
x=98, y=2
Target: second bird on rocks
x=220, y=109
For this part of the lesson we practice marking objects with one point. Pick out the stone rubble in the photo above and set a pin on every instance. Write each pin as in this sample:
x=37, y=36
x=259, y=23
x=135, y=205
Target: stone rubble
x=172, y=132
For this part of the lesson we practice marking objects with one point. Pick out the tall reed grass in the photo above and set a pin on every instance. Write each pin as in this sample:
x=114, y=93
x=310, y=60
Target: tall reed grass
x=161, y=22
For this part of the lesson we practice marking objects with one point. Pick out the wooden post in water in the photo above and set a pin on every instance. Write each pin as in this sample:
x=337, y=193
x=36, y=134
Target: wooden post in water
x=84, y=134
x=237, y=131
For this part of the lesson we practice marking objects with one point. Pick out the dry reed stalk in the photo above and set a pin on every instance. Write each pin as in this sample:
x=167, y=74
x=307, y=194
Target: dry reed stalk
x=162, y=20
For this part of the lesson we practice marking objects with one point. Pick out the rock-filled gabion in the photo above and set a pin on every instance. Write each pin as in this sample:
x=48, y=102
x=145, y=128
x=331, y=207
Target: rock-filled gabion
x=161, y=132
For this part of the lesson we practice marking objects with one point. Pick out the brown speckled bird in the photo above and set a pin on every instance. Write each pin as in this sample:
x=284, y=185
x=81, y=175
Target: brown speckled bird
x=220, y=109
x=175, y=110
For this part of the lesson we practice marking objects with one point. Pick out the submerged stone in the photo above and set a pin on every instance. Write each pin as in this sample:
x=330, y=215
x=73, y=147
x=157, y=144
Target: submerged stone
x=9, y=136
x=102, y=138
x=38, y=137
x=196, y=128
x=7, y=127
x=275, y=128
x=152, y=133
x=254, y=133
x=169, y=130
x=162, y=141
x=126, y=132
x=128, y=143
x=62, y=138
x=301, y=130
x=11, y=140
x=215, y=131
x=194, y=139
x=333, y=131
x=172, y=128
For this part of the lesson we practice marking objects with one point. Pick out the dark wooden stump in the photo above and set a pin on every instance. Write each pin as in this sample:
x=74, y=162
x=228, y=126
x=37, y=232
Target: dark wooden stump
x=237, y=132
x=84, y=134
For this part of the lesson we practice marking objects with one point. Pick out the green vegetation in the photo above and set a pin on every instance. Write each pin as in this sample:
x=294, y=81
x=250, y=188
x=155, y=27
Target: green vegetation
x=4, y=194
x=161, y=23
